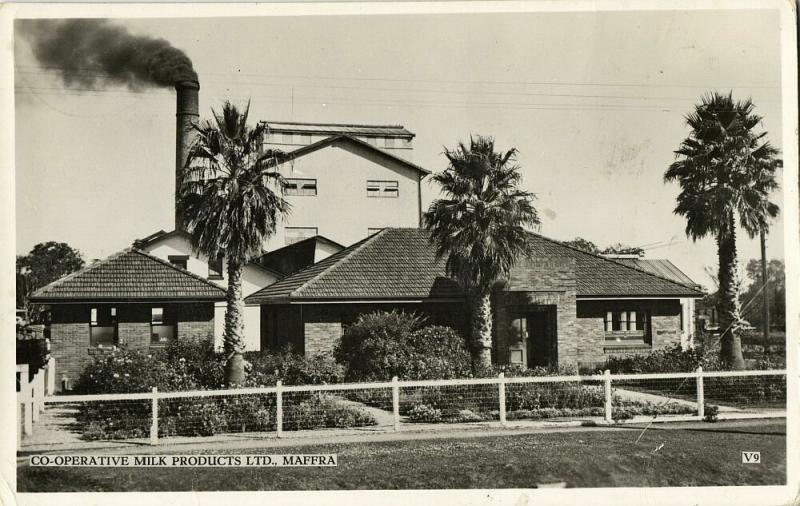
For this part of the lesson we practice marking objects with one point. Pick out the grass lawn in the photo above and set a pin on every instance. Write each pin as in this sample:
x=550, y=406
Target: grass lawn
x=703, y=455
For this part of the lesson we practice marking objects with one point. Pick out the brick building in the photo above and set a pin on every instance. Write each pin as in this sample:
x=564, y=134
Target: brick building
x=560, y=306
x=131, y=299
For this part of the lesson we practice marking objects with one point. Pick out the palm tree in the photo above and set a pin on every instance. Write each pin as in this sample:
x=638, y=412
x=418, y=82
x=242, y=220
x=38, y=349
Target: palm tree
x=230, y=200
x=726, y=171
x=481, y=227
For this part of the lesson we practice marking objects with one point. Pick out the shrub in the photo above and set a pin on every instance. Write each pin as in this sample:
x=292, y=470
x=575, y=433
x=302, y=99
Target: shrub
x=194, y=417
x=131, y=371
x=324, y=411
x=293, y=368
x=422, y=413
x=620, y=414
x=670, y=359
x=380, y=345
x=198, y=360
x=710, y=413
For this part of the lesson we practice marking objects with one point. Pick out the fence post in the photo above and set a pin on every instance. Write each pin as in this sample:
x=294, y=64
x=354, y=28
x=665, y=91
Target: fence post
x=19, y=423
x=40, y=385
x=27, y=407
x=154, y=423
x=279, y=408
x=701, y=402
x=51, y=376
x=609, y=407
x=396, y=403
x=501, y=387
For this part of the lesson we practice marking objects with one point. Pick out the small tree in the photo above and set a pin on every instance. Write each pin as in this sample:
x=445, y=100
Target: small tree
x=481, y=226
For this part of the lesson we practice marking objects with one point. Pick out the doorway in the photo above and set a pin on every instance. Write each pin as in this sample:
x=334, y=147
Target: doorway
x=533, y=343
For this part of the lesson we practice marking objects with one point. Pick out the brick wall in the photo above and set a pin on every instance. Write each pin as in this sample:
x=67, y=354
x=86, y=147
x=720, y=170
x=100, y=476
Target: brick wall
x=317, y=328
x=539, y=284
x=70, y=332
x=69, y=343
x=665, y=328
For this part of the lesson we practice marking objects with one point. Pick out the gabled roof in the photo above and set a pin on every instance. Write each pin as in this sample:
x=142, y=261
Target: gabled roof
x=398, y=263
x=354, y=140
x=161, y=235
x=339, y=128
x=295, y=256
x=395, y=264
x=129, y=275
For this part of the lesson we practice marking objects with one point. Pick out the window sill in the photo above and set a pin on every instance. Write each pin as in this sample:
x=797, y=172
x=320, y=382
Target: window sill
x=610, y=348
x=216, y=278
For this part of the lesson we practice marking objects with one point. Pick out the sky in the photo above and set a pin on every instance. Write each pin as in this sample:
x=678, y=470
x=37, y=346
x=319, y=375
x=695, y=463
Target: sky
x=594, y=102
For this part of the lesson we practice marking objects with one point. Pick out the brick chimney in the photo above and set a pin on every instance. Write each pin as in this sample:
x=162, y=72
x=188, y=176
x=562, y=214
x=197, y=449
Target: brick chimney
x=187, y=114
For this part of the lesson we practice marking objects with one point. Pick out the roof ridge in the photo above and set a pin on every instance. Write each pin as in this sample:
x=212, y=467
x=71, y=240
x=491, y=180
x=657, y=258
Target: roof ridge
x=307, y=123
x=357, y=247
x=308, y=148
x=81, y=271
x=614, y=262
x=179, y=269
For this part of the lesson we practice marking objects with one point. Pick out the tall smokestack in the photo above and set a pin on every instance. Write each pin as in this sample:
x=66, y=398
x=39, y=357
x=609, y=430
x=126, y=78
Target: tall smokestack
x=187, y=114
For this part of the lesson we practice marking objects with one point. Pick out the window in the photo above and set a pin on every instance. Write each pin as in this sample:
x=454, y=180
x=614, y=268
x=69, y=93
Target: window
x=622, y=326
x=179, y=260
x=215, y=268
x=378, y=189
x=305, y=187
x=389, y=143
x=160, y=330
x=305, y=139
x=103, y=326
x=297, y=234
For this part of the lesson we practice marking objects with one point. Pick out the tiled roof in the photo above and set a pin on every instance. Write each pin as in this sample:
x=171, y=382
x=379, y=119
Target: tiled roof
x=399, y=263
x=339, y=128
x=597, y=276
x=660, y=267
x=130, y=274
x=347, y=138
x=296, y=256
x=395, y=263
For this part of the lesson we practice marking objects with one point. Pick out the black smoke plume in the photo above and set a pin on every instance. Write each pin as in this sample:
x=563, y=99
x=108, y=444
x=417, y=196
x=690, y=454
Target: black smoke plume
x=96, y=52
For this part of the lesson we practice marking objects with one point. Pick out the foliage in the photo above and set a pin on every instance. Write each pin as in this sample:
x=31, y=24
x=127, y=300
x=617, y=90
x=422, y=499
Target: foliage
x=710, y=413
x=481, y=226
x=669, y=359
x=583, y=245
x=533, y=396
x=191, y=365
x=622, y=249
x=230, y=201
x=45, y=263
x=294, y=368
x=776, y=275
x=726, y=171
x=323, y=411
x=380, y=345
x=620, y=414
x=424, y=413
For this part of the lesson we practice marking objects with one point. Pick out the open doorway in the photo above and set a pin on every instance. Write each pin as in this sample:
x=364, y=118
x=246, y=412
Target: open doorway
x=534, y=342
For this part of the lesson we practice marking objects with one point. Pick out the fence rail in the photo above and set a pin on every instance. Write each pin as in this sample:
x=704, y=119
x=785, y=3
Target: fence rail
x=398, y=404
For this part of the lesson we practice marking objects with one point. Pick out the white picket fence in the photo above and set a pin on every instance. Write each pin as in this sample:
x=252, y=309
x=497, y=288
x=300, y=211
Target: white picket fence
x=692, y=390
x=32, y=394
